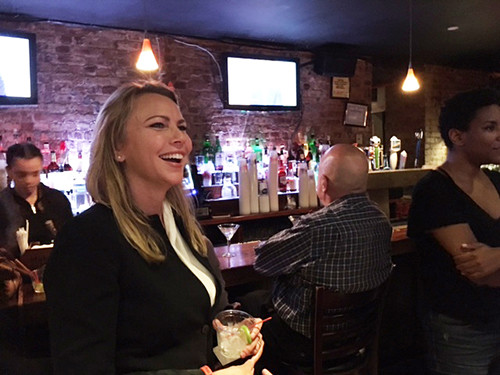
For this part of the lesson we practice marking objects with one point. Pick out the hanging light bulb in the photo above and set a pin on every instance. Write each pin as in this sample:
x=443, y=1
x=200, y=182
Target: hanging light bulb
x=146, y=61
x=411, y=82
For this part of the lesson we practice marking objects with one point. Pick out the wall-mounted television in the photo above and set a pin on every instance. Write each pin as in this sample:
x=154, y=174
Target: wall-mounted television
x=261, y=83
x=18, y=82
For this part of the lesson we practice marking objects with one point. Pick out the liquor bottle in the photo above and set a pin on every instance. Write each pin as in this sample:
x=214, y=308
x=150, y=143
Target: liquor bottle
x=266, y=157
x=230, y=162
x=291, y=180
x=53, y=167
x=46, y=155
x=207, y=150
x=64, y=166
x=257, y=149
x=305, y=147
x=79, y=166
x=248, y=149
x=219, y=155
x=301, y=154
x=281, y=176
x=295, y=151
x=324, y=145
x=313, y=148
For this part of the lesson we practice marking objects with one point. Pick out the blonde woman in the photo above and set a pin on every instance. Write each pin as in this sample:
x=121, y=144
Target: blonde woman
x=132, y=284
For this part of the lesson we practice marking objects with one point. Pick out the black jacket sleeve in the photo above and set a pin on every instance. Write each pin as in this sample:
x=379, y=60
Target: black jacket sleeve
x=81, y=283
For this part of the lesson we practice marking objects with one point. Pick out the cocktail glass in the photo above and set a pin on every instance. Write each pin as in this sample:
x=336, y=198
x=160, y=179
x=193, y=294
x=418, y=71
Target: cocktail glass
x=228, y=230
x=231, y=336
x=37, y=280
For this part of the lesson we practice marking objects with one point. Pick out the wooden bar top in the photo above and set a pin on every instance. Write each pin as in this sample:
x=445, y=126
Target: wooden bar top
x=26, y=296
x=236, y=270
x=244, y=253
x=239, y=270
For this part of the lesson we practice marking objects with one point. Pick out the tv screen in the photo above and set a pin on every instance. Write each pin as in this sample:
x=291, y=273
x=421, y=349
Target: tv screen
x=18, y=84
x=261, y=83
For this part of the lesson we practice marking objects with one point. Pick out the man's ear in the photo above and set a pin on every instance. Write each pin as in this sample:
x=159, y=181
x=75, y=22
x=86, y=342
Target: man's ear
x=457, y=137
x=323, y=184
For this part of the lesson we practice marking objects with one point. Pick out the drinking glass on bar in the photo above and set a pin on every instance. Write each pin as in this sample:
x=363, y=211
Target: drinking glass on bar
x=228, y=230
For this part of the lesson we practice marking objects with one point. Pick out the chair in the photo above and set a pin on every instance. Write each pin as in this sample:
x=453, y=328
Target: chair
x=345, y=333
x=346, y=341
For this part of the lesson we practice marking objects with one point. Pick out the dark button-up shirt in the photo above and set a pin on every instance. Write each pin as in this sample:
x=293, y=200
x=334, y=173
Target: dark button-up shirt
x=52, y=208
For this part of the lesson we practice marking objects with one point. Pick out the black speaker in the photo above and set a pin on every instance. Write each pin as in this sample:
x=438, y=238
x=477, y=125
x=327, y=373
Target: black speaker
x=331, y=65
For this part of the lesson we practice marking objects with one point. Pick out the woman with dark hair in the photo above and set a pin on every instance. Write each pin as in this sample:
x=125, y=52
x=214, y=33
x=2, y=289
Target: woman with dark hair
x=132, y=284
x=455, y=222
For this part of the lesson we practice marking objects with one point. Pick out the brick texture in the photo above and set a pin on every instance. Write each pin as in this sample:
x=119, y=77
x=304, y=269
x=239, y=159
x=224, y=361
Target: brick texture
x=78, y=67
x=408, y=112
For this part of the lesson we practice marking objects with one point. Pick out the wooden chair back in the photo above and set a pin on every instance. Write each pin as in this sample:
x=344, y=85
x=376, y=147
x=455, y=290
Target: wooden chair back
x=346, y=327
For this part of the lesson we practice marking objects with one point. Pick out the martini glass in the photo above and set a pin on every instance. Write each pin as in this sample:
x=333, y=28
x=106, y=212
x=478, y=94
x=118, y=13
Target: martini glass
x=228, y=230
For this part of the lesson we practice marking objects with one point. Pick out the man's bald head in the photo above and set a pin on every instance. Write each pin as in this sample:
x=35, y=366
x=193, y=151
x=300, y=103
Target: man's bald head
x=343, y=170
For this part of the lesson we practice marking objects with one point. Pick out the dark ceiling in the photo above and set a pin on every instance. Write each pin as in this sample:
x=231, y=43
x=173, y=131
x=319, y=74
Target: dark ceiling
x=370, y=28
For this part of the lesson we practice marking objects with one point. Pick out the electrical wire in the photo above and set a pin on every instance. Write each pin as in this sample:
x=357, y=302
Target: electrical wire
x=204, y=50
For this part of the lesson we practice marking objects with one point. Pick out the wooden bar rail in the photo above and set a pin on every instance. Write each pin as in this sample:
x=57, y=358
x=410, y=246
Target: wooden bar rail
x=239, y=270
x=236, y=270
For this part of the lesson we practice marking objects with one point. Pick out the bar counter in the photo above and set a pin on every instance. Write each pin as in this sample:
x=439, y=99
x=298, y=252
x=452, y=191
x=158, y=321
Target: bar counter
x=401, y=335
x=236, y=270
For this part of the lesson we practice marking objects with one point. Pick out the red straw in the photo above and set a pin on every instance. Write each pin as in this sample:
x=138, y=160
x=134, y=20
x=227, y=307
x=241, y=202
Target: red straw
x=261, y=322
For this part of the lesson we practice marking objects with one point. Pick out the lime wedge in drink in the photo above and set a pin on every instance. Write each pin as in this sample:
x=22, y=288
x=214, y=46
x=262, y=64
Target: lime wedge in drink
x=244, y=333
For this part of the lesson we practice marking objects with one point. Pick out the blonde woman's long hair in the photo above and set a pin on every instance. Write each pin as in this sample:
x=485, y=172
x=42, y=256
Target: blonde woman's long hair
x=107, y=184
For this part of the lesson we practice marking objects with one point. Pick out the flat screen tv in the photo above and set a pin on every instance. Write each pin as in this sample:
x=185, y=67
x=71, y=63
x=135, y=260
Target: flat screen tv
x=261, y=83
x=18, y=84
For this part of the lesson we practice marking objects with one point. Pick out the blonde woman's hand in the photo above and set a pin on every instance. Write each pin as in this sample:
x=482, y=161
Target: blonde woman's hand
x=257, y=341
x=246, y=368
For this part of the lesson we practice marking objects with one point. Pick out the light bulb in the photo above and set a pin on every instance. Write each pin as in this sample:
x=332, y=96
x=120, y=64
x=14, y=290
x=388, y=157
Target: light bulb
x=147, y=61
x=411, y=82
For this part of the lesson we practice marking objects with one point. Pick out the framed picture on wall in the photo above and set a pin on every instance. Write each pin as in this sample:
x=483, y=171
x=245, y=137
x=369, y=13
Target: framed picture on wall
x=356, y=114
x=340, y=87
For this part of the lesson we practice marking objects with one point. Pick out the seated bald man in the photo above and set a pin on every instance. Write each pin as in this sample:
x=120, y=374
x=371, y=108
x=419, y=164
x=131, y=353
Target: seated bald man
x=343, y=246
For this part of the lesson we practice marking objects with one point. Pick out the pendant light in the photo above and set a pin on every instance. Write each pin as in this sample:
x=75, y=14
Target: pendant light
x=146, y=61
x=411, y=82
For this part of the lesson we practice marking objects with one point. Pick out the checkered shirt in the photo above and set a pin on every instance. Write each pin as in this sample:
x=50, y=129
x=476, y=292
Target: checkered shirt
x=344, y=246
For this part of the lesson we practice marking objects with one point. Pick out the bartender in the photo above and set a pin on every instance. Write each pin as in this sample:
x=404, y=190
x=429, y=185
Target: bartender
x=46, y=209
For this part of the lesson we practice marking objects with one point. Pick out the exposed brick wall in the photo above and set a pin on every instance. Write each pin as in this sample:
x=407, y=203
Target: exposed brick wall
x=441, y=84
x=408, y=112
x=78, y=67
